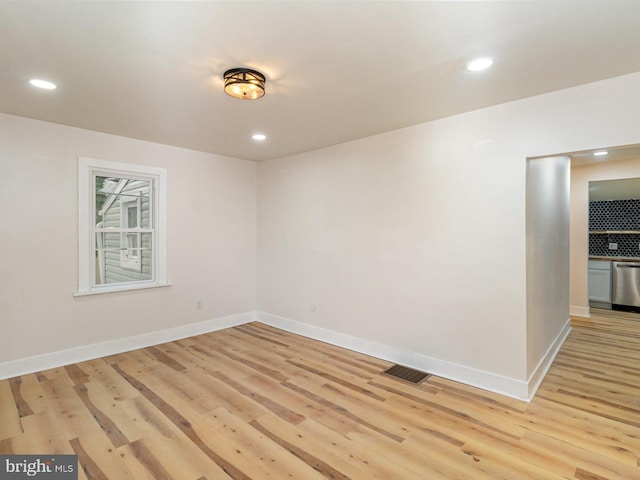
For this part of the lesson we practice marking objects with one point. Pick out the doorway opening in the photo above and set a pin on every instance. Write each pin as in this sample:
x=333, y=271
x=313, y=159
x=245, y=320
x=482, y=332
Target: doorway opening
x=605, y=226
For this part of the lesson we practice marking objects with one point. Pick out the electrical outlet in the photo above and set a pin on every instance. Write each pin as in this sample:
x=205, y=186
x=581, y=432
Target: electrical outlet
x=199, y=305
x=312, y=307
x=613, y=246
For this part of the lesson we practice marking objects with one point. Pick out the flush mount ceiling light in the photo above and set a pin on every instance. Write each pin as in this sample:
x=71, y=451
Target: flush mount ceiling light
x=36, y=82
x=244, y=83
x=479, y=64
x=600, y=153
x=259, y=136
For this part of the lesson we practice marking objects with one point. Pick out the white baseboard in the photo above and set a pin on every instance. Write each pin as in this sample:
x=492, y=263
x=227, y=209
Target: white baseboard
x=535, y=379
x=486, y=380
x=478, y=378
x=59, y=358
x=579, y=311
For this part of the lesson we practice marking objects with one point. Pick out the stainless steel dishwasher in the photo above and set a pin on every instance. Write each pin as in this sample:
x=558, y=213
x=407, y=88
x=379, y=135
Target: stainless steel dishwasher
x=625, y=293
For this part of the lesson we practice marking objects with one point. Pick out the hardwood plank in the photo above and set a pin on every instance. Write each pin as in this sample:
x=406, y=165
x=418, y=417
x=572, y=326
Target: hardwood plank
x=260, y=456
x=323, y=413
x=584, y=429
x=508, y=460
x=227, y=397
x=259, y=367
x=107, y=425
x=314, y=462
x=442, y=426
x=214, y=361
x=192, y=389
x=54, y=441
x=326, y=444
x=248, y=330
x=76, y=374
x=161, y=356
x=489, y=399
x=602, y=408
x=180, y=458
x=478, y=414
x=580, y=457
x=32, y=393
x=152, y=422
x=23, y=407
x=9, y=417
x=339, y=409
x=149, y=461
x=113, y=385
x=277, y=408
x=66, y=410
x=183, y=424
x=86, y=464
x=403, y=463
x=332, y=375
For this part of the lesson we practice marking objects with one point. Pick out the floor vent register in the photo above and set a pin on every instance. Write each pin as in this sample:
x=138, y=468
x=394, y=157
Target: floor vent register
x=407, y=374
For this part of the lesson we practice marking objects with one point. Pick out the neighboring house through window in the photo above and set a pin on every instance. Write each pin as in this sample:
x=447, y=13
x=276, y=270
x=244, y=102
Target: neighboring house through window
x=131, y=254
x=122, y=223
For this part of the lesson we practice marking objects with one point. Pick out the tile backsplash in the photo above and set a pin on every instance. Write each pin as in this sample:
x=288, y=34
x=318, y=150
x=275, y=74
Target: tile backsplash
x=627, y=245
x=614, y=215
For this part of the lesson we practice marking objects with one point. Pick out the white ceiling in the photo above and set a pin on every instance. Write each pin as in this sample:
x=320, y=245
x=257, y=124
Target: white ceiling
x=615, y=154
x=336, y=71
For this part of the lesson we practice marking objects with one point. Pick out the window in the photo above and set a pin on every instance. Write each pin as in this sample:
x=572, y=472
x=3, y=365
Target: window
x=131, y=251
x=122, y=227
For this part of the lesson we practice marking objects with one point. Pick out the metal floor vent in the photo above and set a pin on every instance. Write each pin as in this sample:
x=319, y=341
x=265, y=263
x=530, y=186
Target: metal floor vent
x=407, y=374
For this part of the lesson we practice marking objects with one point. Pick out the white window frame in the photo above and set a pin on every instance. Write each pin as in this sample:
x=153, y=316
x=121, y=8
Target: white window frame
x=88, y=169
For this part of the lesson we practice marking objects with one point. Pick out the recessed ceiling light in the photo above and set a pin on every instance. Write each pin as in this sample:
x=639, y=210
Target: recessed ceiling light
x=259, y=136
x=479, y=64
x=600, y=153
x=36, y=82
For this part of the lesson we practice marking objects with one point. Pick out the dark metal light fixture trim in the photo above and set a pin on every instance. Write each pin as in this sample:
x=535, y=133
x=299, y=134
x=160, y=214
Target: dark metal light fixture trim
x=244, y=83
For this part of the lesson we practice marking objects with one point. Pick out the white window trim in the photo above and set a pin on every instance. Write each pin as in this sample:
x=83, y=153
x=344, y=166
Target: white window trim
x=86, y=167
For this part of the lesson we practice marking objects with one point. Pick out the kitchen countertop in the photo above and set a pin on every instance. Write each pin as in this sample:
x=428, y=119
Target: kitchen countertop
x=616, y=259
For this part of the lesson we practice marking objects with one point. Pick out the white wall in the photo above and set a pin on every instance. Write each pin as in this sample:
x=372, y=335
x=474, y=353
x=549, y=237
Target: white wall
x=580, y=178
x=415, y=239
x=547, y=256
x=211, y=240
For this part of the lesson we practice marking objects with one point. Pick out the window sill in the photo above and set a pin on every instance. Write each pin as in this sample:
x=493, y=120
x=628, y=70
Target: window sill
x=119, y=288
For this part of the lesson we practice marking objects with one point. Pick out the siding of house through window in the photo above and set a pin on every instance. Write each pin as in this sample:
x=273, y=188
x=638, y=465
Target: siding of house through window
x=124, y=235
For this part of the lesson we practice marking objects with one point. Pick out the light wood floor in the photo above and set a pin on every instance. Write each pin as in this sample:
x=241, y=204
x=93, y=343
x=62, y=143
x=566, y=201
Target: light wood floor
x=253, y=402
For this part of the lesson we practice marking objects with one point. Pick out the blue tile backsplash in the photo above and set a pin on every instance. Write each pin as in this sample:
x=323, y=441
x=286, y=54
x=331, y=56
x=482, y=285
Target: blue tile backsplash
x=614, y=215
x=627, y=245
